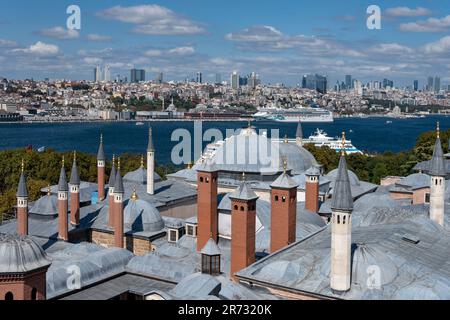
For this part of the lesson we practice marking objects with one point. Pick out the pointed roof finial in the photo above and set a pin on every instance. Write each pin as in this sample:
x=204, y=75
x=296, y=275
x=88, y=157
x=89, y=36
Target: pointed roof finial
x=438, y=130
x=118, y=164
x=243, y=176
x=343, y=144
x=134, y=196
x=114, y=160
x=23, y=165
x=49, y=190
x=142, y=161
x=285, y=164
x=286, y=139
x=63, y=161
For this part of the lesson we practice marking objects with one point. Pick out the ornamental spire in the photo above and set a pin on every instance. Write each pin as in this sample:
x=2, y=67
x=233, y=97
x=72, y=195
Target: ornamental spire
x=343, y=144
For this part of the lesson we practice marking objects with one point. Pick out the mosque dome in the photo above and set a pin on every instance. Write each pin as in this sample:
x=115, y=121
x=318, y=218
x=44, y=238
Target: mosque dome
x=354, y=180
x=21, y=254
x=249, y=152
x=140, y=215
x=46, y=206
x=139, y=176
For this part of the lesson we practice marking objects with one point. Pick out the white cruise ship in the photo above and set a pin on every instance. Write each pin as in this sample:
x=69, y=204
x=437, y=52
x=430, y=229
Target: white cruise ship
x=320, y=138
x=295, y=114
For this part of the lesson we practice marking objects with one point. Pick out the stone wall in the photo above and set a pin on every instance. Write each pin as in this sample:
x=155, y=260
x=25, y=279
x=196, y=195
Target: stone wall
x=138, y=246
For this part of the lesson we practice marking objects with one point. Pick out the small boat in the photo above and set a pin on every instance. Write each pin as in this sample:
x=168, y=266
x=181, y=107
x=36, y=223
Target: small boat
x=388, y=122
x=41, y=149
x=140, y=123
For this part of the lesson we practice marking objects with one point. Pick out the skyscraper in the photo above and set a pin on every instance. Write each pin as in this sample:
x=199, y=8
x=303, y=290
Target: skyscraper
x=97, y=74
x=315, y=82
x=437, y=84
x=235, y=80
x=199, y=77
x=218, y=78
x=430, y=85
x=348, y=81
x=107, y=76
x=159, y=78
x=137, y=75
x=416, y=85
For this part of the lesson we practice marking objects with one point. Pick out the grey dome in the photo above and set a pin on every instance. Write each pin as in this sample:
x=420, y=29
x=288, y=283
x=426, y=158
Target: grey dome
x=140, y=215
x=140, y=176
x=353, y=178
x=415, y=180
x=20, y=254
x=299, y=159
x=46, y=206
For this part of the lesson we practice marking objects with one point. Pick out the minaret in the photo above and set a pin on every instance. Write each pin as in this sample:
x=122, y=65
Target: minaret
x=150, y=164
x=283, y=211
x=74, y=193
x=118, y=209
x=112, y=181
x=63, y=204
x=299, y=134
x=437, y=187
x=341, y=229
x=207, y=217
x=243, y=228
x=22, y=204
x=101, y=170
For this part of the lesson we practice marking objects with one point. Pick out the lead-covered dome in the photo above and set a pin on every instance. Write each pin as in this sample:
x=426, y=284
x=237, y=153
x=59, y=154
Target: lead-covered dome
x=140, y=215
x=140, y=176
x=46, y=206
x=20, y=254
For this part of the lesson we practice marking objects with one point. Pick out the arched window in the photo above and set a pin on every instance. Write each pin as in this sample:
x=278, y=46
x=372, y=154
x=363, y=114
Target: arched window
x=343, y=220
x=201, y=179
x=338, y=219
x=283, y=199
x=9, y=296
x=236, y=207
x=34, y=294
x=207, y=180
x=276, y=198
x=242, y=208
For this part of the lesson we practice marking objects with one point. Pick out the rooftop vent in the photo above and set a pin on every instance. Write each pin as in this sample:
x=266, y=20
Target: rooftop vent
x=410, y=238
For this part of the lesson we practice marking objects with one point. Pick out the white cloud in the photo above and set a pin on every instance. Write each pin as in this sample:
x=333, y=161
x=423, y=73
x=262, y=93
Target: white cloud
x=391, y=49
x=93, y=61
x=153, y=19
x=256, y=34
x=7, y=43
x=60, y=33
x=440, y=46
x=153, y=53
x=40, y=49
x=429, y=25
x=97, y=38
x=182, y=51
x=407, y=12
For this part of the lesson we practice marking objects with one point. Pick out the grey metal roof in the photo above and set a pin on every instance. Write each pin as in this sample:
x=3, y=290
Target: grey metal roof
x=118, y=183
x=415, y=181
x=244, y=192
x=141, y=215
x=284, y=181
x=197, y=285
x=358, y=188
x=20, y=254
x=437, y=166
x=74, y=176
x=408, y=270
x=45, y=206
x=342, y=196
x=140, y=176
x=101, y=151
x=22, y=190
x=150, y=146
x=299, y=132
x=112, y=176
x=206, y=166
x=211, y=248
x=62, y=184
x=313, y=171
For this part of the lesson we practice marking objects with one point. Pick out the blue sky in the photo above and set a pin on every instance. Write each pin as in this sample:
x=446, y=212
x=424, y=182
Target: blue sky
x=280, y=40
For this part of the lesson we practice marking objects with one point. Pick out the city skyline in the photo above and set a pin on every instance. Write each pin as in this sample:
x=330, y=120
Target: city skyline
x=280, y=42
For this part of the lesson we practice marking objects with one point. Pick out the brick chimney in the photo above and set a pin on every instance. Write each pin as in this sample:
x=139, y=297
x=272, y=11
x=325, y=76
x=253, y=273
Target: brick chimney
x=22, y=204
x=243, y=228
x=63, y=204
x=207, y=179
x=101, y=170
x=118, y=209
x=312, y=189
x=112, y=181
x=74, y=184
x=283, y=221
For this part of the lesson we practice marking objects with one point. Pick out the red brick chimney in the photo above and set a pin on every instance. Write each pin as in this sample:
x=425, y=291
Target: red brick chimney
x=283, y=221
x=207, y=205
x=112, y=181
x=101, y=170
x=312, y=189
x=243, y=228
x=74, y=193
x=118, y=209
x=22, y=204
x=63, y=204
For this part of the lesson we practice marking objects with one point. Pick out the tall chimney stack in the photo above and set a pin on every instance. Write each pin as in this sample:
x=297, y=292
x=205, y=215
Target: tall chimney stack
x=312, y=189
x=207, y=179
x=112, y=181
x=74, y=193
x=101, y=170
x=437, y=187
x=63, y=204
x=243, y=228
x=341, y=229
x=283, y=221
x=118, y=209
x=150, y=164
x=22, y=204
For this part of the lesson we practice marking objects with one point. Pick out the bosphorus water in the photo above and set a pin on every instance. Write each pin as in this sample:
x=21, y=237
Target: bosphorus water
x=367, y=134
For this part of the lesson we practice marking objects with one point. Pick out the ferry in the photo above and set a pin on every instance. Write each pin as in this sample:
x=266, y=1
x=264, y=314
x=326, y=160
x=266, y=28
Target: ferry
x=320, y=138
x=307, y=114
x=140, y=123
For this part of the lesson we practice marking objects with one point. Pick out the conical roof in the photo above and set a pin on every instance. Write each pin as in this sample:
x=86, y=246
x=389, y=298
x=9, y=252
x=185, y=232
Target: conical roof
x=74, y=176
x=244, y=192
x=211, y=248
x=112, y=176
x=342, y=196
x=62, y=184
x=118, y=183
x=22, y=190
x=101, y=151
x=284, y=181
x=437, y=166
x=299, y=133
x=150, y=146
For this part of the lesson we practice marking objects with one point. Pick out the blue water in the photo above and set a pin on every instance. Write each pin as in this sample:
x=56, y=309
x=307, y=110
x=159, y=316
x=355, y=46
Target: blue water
x=370, y=134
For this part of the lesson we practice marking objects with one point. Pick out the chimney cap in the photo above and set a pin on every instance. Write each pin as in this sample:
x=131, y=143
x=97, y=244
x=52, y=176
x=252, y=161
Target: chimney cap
x=211, y=248
x=244, y=192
